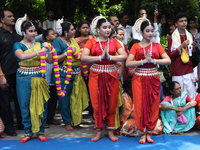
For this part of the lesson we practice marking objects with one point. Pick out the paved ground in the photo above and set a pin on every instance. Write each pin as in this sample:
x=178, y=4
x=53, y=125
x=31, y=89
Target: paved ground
x=58, y=131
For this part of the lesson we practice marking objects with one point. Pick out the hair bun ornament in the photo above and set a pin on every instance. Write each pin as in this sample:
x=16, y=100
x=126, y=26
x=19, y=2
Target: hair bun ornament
x=58, y=25
x=94, y=24
x=138, y=23
x=19, y=23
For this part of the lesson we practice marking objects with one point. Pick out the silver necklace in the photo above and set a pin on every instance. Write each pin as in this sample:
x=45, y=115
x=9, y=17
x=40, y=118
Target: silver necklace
x=32, y=45
x=26, y=44
x=145, y=53
x=104, y=47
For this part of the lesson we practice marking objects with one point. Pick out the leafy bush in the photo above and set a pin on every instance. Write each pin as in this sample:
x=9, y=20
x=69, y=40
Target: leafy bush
x=165, y=68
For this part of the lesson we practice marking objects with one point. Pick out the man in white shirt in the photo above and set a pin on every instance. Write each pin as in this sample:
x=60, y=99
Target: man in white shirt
x=136, y=35
x=50, y=22
x=127, y=28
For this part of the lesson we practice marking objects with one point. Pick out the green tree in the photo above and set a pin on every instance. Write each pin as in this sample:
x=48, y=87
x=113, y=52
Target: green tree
x=171, y=7
x=35, y=9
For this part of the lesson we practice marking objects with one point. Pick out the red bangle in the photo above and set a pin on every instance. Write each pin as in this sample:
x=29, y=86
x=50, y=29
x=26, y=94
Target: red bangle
x=2, y=74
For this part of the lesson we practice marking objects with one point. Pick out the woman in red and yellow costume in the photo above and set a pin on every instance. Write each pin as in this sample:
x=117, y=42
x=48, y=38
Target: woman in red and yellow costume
x=103, y=77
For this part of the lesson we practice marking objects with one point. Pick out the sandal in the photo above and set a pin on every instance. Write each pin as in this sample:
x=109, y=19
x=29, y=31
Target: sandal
x=55, y=122
x=84, y=122
x=26, y=138
x=41, y=137
x=46, y=126
x=69, y=127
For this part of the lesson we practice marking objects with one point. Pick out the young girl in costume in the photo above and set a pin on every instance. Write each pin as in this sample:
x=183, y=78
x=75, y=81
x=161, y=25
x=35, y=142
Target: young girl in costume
x=32, y=89
x=76, y=98
x=103, y=77
x=145, y=56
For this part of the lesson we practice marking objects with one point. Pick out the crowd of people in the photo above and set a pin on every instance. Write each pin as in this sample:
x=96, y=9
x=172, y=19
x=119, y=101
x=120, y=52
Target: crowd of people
x=105, y=64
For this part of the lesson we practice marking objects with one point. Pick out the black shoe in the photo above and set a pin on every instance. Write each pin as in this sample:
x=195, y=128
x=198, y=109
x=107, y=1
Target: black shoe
x=20, y=127
x=10, y=132
x=55, y=122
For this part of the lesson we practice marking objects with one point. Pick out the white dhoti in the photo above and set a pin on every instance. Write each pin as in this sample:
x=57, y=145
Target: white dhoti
x=187, y=83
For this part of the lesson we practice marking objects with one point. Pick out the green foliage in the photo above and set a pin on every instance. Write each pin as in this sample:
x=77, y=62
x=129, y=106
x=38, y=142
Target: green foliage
x=165, y=68
x=3, y=3
x=35, y=9
x=164, y=41
x=108, y=10
x=167, y=74
x=102, y=6
x=171, y=7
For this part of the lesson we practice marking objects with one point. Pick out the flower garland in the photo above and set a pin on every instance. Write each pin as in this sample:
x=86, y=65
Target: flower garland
x=84, y=66
x=42, y=62
x=84, y=69
x=69, y=64
x=60, y=92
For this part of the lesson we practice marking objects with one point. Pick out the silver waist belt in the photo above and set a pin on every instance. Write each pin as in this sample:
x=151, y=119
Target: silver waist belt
x=75, y=70
x=146, y=71
x=103, y=68
x=29, y=70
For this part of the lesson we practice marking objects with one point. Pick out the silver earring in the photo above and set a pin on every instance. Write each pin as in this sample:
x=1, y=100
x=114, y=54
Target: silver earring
x=66, y=34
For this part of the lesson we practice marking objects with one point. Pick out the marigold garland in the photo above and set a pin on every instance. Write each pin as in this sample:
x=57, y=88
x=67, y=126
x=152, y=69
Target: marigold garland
x=84, y=69
x=69, y=64
x=84, y=65
x=42, y=62
x=60, y=92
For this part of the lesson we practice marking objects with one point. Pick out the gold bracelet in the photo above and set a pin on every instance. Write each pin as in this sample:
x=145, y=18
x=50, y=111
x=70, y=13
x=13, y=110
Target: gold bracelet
x=2, y=74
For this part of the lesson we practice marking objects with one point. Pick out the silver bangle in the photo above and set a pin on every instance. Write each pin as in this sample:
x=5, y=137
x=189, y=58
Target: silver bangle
x=36, y=53
x=99, y=58
x=141, y=62
x=65, y=53
x=154, y=61
x=110, y=57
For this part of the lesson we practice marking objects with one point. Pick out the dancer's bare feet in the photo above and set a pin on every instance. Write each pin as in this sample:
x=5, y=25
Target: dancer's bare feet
x=26, y=138
x=149, y=139
x=97, y=137
x=112, y=137
x=42, y=138
x=142, y=139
